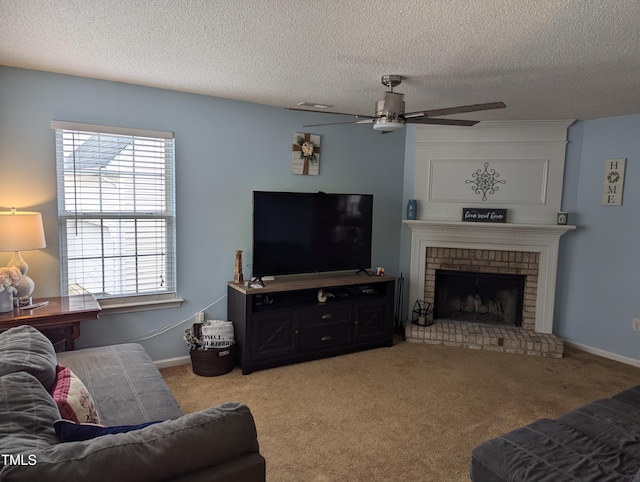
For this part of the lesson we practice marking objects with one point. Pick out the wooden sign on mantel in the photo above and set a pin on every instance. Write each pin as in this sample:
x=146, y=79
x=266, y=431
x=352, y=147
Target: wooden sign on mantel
x=483, y=215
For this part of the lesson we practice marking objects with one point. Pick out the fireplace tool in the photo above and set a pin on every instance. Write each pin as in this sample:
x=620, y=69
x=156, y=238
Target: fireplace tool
x=399, y=321
x=422, y=313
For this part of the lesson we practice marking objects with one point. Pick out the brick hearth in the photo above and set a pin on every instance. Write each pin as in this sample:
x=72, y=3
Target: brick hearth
x=482, y=336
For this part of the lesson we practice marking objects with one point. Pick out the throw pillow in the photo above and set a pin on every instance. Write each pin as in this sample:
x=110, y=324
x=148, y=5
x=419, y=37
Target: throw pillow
x=73, y=399
x=25, y=349
x=68, y=431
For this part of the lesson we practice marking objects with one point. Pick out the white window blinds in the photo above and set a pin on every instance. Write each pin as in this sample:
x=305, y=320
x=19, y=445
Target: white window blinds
x=116, y=209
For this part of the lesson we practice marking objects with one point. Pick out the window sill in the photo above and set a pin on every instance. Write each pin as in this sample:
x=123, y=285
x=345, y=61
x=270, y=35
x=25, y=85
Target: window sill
x=114, y=307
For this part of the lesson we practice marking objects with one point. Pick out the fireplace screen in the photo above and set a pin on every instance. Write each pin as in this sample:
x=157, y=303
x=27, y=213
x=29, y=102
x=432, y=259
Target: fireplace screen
x=479, y=297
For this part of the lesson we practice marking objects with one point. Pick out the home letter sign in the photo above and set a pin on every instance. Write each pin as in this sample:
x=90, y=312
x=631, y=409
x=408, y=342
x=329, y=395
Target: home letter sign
x=613, y=182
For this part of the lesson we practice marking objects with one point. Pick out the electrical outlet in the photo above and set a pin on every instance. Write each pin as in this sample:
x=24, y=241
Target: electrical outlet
x=636, y=324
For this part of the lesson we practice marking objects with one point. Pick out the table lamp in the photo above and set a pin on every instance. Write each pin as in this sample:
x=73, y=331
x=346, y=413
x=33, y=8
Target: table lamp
x=21, y=231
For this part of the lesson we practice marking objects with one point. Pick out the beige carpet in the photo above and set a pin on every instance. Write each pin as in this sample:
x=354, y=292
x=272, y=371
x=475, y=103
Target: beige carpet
x=408, y=413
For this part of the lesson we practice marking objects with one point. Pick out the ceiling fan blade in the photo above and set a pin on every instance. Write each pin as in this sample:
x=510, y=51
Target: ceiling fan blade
x=328, y=112
x=363, y=121
x=461, y=109
x=442, y=122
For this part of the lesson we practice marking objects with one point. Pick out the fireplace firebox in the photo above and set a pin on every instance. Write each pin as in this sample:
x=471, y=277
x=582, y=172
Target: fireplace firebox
x=495, y=298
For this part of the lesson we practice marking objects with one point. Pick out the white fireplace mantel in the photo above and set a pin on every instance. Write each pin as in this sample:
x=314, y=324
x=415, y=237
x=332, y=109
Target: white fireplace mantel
x=540, y=238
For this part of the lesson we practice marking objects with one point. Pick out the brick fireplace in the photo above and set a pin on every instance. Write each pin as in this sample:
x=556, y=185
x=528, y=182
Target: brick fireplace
x=513, y=249
x=513, y=165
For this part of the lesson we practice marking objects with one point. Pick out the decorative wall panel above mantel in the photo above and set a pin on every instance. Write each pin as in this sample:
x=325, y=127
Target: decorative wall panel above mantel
x=486, y=181
x=516, y=165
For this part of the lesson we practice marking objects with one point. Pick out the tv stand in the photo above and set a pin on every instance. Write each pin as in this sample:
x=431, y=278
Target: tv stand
x=286, y=322
x=363, y=270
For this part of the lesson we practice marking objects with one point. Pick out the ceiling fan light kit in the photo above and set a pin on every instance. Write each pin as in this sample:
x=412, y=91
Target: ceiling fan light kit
x=390, y=115
x=385, y=125
x=390, y=108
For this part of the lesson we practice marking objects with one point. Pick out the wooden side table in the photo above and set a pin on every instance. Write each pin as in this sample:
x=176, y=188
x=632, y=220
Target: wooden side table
x=59, y=320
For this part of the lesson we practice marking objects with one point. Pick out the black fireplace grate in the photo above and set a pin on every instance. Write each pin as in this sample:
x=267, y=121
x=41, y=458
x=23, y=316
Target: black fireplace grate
x=479, y=297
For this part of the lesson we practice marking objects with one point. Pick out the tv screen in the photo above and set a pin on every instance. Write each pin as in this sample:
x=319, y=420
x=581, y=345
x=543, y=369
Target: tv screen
x=297, y=232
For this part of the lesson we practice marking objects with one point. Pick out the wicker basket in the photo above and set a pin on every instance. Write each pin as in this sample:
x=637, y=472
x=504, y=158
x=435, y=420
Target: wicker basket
x=213, y=362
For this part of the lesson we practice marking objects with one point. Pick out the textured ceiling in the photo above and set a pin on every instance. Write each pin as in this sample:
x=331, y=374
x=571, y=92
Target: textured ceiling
x=546, y=59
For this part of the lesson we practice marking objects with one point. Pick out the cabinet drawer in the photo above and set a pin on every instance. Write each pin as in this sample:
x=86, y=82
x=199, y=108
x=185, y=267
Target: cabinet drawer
x=327, y=338
x=326, y=315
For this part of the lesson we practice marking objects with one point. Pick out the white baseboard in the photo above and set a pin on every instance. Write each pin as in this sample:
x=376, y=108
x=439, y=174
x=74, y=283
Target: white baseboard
x=183, y=360
x=604, y=354
x=173, y=362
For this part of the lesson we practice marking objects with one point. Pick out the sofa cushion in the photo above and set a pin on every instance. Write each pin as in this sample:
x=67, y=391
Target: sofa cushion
x=548, y=451
x=73, y=399
x=27, y=414
x=68, y=431
x=162, y=451
x=611, y=422
x=124, y=382
x=630, y=396
x=597, y=442
x=24, y=348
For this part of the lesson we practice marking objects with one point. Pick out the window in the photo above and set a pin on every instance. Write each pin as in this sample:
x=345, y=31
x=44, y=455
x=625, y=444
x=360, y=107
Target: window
x=116, y=211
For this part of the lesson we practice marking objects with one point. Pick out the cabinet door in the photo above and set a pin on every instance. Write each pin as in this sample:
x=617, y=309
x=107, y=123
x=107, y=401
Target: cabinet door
x=273, y=335
x=371, y=320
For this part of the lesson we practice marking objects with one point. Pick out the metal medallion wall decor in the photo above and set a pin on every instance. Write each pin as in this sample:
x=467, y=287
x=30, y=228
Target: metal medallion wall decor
x=306, y=154
x=485, y=182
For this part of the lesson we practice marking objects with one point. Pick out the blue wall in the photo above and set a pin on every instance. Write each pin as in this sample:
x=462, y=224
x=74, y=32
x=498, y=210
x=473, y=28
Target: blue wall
x=225, y=149
x=598, y=291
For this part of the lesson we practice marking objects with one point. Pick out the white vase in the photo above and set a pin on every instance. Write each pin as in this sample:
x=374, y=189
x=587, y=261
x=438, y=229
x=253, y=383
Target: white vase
x=6, y=301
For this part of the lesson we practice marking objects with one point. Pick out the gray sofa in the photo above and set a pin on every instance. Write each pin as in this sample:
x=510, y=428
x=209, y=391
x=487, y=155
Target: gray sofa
x=216, y=444
x=597, y=442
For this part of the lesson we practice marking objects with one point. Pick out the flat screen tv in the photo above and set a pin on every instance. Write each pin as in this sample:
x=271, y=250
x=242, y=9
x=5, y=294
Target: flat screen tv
x=296, y=232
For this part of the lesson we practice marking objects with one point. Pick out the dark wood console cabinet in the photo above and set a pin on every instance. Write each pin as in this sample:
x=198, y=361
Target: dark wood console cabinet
x=285, y=323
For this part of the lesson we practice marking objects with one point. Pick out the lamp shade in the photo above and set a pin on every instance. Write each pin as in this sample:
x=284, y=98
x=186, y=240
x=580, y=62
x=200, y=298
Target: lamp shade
x=21, y=231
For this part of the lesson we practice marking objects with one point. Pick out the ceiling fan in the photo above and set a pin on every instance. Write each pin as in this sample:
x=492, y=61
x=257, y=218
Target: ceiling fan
x=390, y=115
